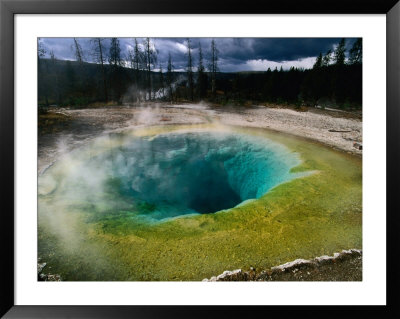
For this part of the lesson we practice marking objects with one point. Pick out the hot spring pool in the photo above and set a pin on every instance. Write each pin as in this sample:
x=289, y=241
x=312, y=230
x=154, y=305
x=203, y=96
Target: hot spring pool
x=172, y=174
x=187, y=203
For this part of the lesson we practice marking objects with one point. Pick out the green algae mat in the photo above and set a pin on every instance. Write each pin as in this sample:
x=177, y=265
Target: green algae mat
x=189, y=202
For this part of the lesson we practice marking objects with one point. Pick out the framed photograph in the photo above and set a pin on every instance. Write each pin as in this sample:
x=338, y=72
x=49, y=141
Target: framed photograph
x=174, y=154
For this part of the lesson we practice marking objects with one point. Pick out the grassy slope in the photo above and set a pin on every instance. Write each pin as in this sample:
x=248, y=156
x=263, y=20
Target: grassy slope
x=306, y=217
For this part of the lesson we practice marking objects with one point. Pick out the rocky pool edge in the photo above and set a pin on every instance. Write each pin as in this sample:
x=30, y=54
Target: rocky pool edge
x=347, y=265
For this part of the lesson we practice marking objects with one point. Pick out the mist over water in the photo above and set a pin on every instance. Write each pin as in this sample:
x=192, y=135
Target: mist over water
x=167, y=175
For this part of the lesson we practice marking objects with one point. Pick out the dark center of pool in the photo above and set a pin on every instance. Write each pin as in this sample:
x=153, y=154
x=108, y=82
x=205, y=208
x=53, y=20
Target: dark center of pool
x=177, y=174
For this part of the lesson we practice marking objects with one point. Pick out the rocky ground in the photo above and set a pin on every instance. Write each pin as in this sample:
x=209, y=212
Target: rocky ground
x=341, y=130
x=343, y=266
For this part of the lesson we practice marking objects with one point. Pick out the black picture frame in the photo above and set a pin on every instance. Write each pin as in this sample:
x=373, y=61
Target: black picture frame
x=8, y=8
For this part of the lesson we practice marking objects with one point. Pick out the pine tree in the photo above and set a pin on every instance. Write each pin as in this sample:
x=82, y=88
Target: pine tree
x=201, y=76
x=138, y=56
x=137, y=61
x=356, y=52
x=318, y=62
x=41, y=50
x=214, y=67
x=99, y=57
x=116, y=71
x=55, y=85
x=150, y=60
x=170, y=77
x=130, y=59
x=135, y=58
x=339, y=55
x=326, y=60
x=114, y=57
x=162, y=83
x=78, y=51
x=189, y=70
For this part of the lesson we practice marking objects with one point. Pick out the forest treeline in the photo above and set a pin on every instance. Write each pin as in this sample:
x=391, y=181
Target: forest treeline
x=334, y=80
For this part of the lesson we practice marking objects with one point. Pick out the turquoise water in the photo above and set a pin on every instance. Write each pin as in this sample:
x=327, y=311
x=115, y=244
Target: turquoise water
x=169, y=175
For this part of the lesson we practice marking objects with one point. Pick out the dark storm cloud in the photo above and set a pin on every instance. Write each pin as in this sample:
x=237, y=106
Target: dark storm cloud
x=291, y=49
x=235, y=54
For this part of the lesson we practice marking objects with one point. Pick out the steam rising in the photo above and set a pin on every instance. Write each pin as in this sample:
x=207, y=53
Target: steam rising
x=165, y=175
x=153, y=178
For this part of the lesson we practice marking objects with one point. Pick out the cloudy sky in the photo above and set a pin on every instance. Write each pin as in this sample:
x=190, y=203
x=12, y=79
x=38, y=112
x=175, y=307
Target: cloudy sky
x=235, y=54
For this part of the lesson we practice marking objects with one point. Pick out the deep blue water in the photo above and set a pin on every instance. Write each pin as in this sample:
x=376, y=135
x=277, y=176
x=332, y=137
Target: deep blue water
x=176, y=174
